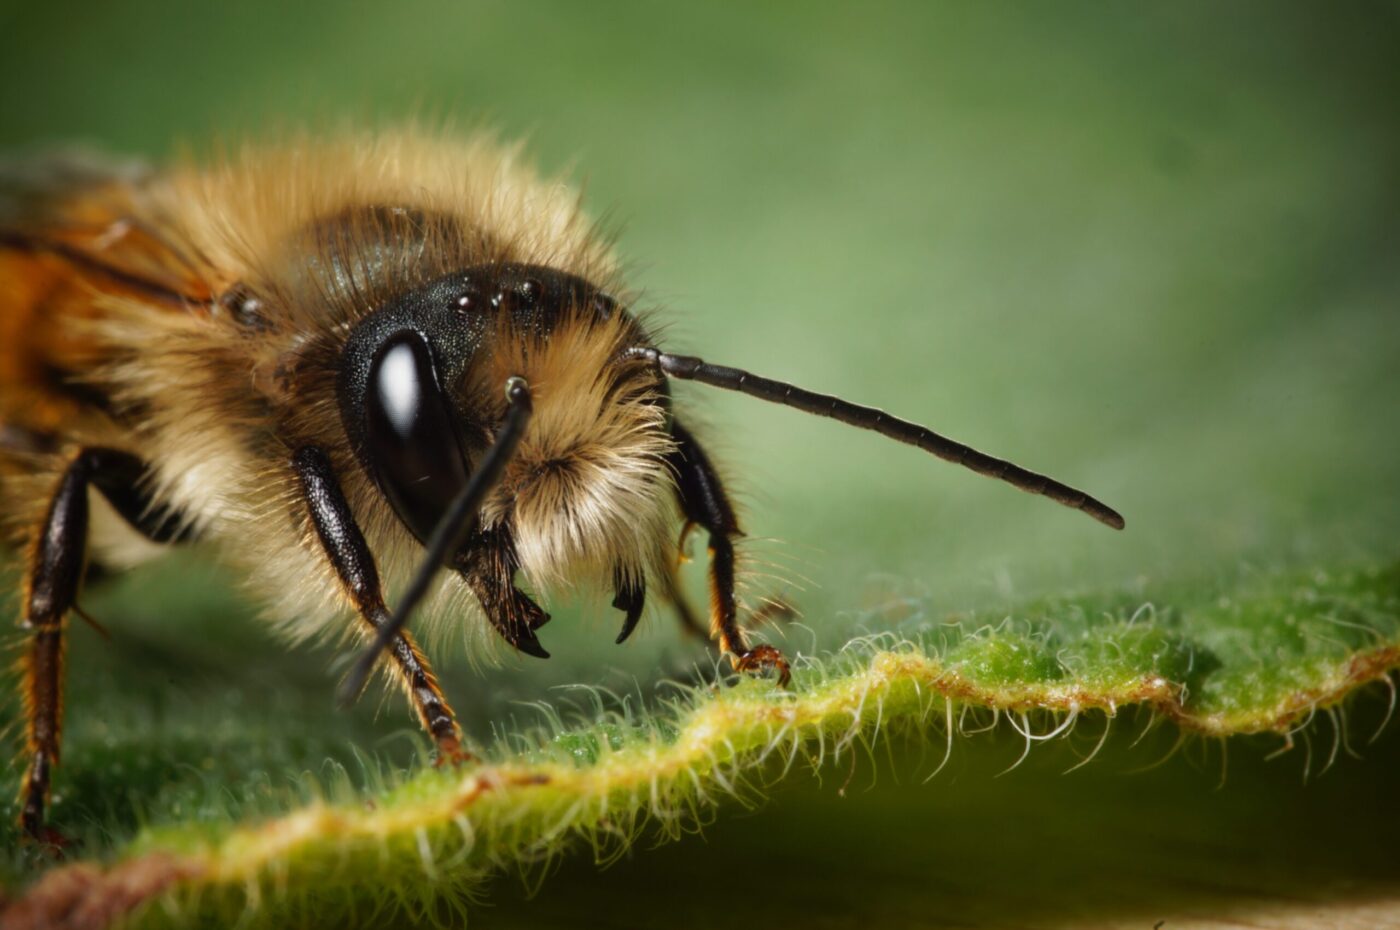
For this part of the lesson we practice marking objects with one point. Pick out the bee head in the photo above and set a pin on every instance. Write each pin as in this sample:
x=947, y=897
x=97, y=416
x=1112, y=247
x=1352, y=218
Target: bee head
x=421, y=399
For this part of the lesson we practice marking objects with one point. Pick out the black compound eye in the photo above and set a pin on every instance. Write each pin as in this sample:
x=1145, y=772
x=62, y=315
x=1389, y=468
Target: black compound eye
x=410, y=434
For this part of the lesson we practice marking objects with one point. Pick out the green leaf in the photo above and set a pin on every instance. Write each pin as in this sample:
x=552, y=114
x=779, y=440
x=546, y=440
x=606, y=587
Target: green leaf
x=1147, y=249
x=423, y=846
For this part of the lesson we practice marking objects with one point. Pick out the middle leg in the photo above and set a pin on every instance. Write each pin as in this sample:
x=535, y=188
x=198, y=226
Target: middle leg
x=705, y=503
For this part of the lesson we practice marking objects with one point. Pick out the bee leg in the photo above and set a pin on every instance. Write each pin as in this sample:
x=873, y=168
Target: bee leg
x=55, y=569
x=704, y=502
x=671, y=591
x=489, y=568
x=671, y=587
x=345, y=547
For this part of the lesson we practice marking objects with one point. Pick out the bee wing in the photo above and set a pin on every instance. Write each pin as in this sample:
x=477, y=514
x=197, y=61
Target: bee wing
x=73, y=228
x=35, y=187
x=94, y=214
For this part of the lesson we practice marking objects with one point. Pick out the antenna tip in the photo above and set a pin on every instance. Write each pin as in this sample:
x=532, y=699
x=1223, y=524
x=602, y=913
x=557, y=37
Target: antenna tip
x=1101, y=512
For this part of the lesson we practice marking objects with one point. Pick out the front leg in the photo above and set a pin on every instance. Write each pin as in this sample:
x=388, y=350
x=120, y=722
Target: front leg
x=345, y=546
x=705, y=503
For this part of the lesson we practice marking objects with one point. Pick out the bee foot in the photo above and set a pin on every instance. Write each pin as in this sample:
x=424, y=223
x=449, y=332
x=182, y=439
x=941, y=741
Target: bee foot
x=50, y=844
x=760, y=659
x=450, y=752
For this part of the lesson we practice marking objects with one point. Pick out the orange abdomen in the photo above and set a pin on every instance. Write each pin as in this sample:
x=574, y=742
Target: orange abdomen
x=45, y=342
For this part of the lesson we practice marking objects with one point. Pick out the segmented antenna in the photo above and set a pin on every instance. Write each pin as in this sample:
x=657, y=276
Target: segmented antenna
x=451, y=531
x=691, y=368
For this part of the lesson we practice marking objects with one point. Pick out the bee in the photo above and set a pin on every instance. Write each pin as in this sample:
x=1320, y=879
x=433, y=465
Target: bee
x=368, y=363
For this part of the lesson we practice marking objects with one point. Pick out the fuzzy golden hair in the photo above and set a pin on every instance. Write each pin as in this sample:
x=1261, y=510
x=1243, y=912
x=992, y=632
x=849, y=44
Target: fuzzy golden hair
x=314, y=236
x=588, y=489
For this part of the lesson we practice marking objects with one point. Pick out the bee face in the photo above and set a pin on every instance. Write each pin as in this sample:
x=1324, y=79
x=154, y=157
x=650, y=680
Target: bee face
x=415, y=392
x=499, y=412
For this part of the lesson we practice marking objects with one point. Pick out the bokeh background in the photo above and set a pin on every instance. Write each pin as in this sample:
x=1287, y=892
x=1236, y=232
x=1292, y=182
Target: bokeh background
x=1150, y=250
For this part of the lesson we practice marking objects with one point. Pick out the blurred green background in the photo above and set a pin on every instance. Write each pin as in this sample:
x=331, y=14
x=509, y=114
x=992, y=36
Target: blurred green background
x=1150, y=250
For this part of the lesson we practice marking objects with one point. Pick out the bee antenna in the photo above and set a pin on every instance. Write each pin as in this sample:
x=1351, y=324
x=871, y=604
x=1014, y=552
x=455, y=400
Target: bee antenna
x=690, y=368
x=452, y=530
